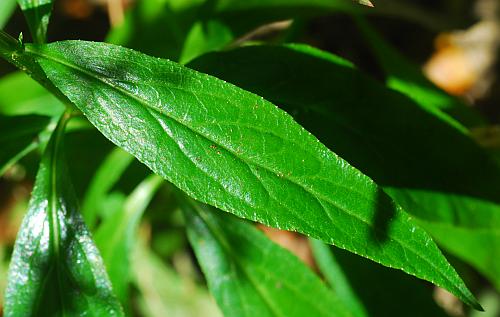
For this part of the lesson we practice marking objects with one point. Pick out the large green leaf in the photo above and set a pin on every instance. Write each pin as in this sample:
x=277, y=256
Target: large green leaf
x=116, y=235
x=37, y=13
x=430, y=167
x=56, y=269
x=232, y=149
x=19, y=135
x=251, y=276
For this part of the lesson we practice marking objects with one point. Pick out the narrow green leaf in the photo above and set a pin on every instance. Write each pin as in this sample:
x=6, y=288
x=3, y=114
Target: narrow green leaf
x=18, y=137
x=427, y=165
x=104, y=179
x=6, y=9
x=116, y=235
x=251, y=276
x=163, y=292
x=37, y=13
x=56, y=270
x=21, y=95
x=234, y=150
x=336, y=278
x=407, y=78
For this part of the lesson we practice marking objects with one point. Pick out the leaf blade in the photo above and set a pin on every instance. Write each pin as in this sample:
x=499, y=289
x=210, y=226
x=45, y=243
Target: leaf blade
x=55, y=268
x=264, y=279
x=237, y=153
x=382, y=133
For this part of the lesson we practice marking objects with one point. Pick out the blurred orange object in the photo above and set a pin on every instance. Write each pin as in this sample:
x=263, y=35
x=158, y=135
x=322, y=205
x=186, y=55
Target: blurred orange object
x=464, y=60
x=293, y=242
x=450, y=69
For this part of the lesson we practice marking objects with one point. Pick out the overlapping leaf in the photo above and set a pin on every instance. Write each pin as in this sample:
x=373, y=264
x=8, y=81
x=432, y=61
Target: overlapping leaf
x=251, y=276
x=56, y=269
x=235, y=150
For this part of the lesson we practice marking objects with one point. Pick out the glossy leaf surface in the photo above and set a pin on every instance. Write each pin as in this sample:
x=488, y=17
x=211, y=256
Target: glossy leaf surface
x=251, y=276
x=232, y=149
x=56, y=269
x=427, y=165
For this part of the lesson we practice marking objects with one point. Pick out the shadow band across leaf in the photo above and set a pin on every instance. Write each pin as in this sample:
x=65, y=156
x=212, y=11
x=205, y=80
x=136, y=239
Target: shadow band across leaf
x=167, y=116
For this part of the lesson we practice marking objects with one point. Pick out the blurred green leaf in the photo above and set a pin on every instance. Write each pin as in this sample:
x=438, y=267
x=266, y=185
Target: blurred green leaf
x=140, y=28
x=116, y=235
x=237, y=151
x=37, y=13
x=429, y=167
x=56, y=270
x=7, y=7
x=205, y=36
x=407, y=78
x=19, y=135
x=335, y=276
x=104, y=179
x=165, y=293
x=34, y=99
x=251, y=276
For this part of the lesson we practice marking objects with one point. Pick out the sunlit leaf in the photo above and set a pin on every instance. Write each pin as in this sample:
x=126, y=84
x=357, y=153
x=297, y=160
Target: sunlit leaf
x=235, y=150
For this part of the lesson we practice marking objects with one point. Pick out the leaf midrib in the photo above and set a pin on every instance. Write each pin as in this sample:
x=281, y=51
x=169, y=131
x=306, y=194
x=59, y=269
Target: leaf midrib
x=36, y=52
